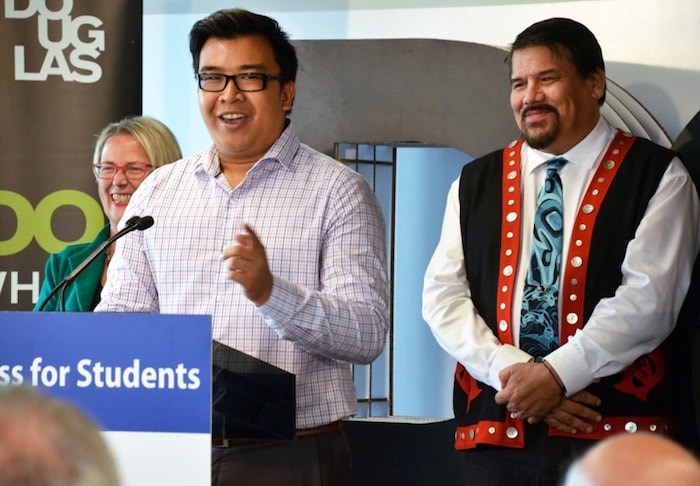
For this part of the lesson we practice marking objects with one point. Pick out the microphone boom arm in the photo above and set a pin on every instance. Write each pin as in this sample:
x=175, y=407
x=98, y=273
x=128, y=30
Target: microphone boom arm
x=134, y=223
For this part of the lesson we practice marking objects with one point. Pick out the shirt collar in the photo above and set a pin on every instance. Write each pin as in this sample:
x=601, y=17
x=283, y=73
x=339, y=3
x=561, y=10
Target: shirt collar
x=282, y=152
x=585, y=153
x=284, y=149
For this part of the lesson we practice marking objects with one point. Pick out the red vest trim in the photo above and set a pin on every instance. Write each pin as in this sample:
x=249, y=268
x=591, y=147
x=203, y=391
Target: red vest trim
x=510, y=240
x=510, y=433
x=614, y=425
x=505, y=434
x=573, y=287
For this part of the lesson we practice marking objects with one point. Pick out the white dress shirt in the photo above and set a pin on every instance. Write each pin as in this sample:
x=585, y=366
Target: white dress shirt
x=655, y=275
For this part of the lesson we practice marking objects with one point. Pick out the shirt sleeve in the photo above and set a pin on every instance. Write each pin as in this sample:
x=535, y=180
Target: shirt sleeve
x=656, y=274
x=130, y=285
x=346, y=318
x=450, y=312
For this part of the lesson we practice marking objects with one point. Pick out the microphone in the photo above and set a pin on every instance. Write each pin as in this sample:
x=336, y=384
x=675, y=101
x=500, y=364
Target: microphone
x=134, y=223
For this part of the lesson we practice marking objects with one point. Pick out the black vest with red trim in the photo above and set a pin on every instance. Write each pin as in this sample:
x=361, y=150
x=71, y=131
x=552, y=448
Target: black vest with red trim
x=631, y=400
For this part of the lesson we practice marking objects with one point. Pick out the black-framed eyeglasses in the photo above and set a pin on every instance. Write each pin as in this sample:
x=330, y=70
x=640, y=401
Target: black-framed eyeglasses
x=133, y=171
x=245, y=82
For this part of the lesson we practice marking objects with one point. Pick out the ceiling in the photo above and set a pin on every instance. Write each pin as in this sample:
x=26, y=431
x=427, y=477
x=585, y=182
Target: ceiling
x=207, y=6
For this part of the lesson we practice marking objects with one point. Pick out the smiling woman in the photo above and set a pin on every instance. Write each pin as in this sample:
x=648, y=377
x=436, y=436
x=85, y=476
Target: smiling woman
x=126, y=152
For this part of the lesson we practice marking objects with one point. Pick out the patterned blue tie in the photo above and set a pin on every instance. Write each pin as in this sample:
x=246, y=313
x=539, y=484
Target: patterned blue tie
x=539, y=317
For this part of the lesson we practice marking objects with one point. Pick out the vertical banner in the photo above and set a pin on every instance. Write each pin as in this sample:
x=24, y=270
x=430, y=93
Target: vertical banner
x=67, y=68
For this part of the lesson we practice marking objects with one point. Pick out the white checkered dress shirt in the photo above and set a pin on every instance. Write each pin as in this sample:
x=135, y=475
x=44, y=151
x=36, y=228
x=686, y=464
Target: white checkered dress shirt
x=324, y=236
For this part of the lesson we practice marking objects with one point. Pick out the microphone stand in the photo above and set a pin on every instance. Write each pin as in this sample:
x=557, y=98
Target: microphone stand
x=134, y=223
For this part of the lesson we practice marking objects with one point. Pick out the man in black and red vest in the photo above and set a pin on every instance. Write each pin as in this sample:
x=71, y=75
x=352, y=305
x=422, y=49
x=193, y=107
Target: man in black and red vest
x=629, y=225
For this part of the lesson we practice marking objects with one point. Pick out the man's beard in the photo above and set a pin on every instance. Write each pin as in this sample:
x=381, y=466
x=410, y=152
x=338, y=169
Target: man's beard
x=539, y=135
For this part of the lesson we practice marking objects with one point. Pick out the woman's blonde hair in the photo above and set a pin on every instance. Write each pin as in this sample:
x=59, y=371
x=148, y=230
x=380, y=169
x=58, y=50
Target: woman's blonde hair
x=156, y=138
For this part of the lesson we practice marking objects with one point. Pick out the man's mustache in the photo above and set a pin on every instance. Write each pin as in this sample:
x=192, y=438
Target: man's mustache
x=537, y=107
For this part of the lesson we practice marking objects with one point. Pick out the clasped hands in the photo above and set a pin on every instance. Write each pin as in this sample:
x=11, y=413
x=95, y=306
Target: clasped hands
x=247, y=265
x=530, y=392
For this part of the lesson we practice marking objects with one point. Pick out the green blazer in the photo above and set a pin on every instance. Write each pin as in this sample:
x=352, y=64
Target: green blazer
x=80, y=296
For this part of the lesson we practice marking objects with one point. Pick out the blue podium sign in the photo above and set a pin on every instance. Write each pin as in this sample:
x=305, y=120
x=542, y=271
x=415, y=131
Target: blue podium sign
x=144, y=373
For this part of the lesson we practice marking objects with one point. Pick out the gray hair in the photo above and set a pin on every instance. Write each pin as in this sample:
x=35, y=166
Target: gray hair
x=156, y=138
x=47, y=442
x=576, y=476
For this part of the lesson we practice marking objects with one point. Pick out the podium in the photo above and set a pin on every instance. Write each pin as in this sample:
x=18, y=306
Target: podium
x=145, y=379
x=159, y=386
x=251, y=399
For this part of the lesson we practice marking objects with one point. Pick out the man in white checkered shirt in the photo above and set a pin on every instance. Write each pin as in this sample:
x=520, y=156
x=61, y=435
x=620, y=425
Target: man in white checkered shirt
x=283, y=246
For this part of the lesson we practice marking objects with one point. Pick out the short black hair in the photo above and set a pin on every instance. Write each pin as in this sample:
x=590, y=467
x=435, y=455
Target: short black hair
x=563, y=37
x=235, y=22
